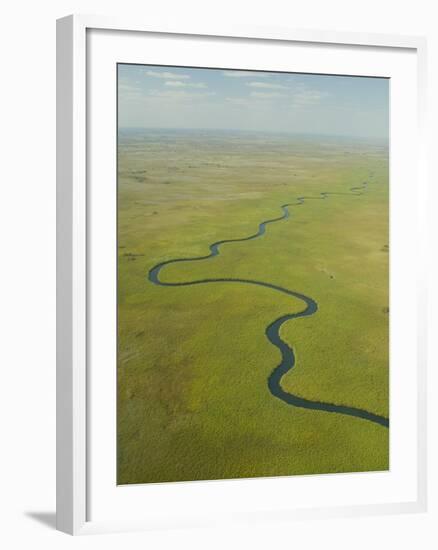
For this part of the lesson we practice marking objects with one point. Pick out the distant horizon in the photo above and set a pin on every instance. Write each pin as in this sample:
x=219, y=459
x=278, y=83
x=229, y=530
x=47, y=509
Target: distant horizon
x=165, y=97
x=244, y=131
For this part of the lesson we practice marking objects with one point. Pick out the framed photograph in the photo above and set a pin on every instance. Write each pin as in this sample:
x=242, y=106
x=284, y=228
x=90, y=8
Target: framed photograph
x=240, y=275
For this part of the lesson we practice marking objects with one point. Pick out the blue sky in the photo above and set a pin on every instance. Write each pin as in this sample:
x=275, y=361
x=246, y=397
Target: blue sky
x=178, y=97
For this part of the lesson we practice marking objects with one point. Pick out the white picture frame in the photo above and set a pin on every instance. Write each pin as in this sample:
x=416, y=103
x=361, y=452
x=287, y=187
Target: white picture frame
x=74, y=399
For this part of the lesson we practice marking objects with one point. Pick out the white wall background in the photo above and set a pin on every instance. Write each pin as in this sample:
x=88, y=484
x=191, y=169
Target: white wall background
x=27, y=272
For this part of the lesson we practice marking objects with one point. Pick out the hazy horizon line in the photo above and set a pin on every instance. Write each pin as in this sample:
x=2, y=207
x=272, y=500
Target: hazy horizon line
x=253, y=131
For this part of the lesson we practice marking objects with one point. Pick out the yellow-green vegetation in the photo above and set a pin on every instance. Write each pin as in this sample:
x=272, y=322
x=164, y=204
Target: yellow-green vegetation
x=193, y=362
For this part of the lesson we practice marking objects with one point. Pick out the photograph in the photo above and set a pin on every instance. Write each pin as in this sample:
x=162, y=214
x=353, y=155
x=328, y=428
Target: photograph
x=252, y=273
x=219, y=283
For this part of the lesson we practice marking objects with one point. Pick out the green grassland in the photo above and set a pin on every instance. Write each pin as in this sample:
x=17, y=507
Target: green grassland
x=193, y=362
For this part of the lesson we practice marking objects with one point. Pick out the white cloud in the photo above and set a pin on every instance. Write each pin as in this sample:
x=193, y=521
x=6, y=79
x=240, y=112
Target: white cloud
x=267, y=95
x=167, y=75
x=308, y=97
x=129, y=91
x=238, y=100
x=179, y=84
x=266, y=85
x=244, y=74
x=178, y=95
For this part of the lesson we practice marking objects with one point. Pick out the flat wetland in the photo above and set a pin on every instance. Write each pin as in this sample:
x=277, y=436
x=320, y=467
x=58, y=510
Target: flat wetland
x=194, y=361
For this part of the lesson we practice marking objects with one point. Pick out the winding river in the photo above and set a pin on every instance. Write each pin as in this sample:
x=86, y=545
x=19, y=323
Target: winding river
x=273, y=330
